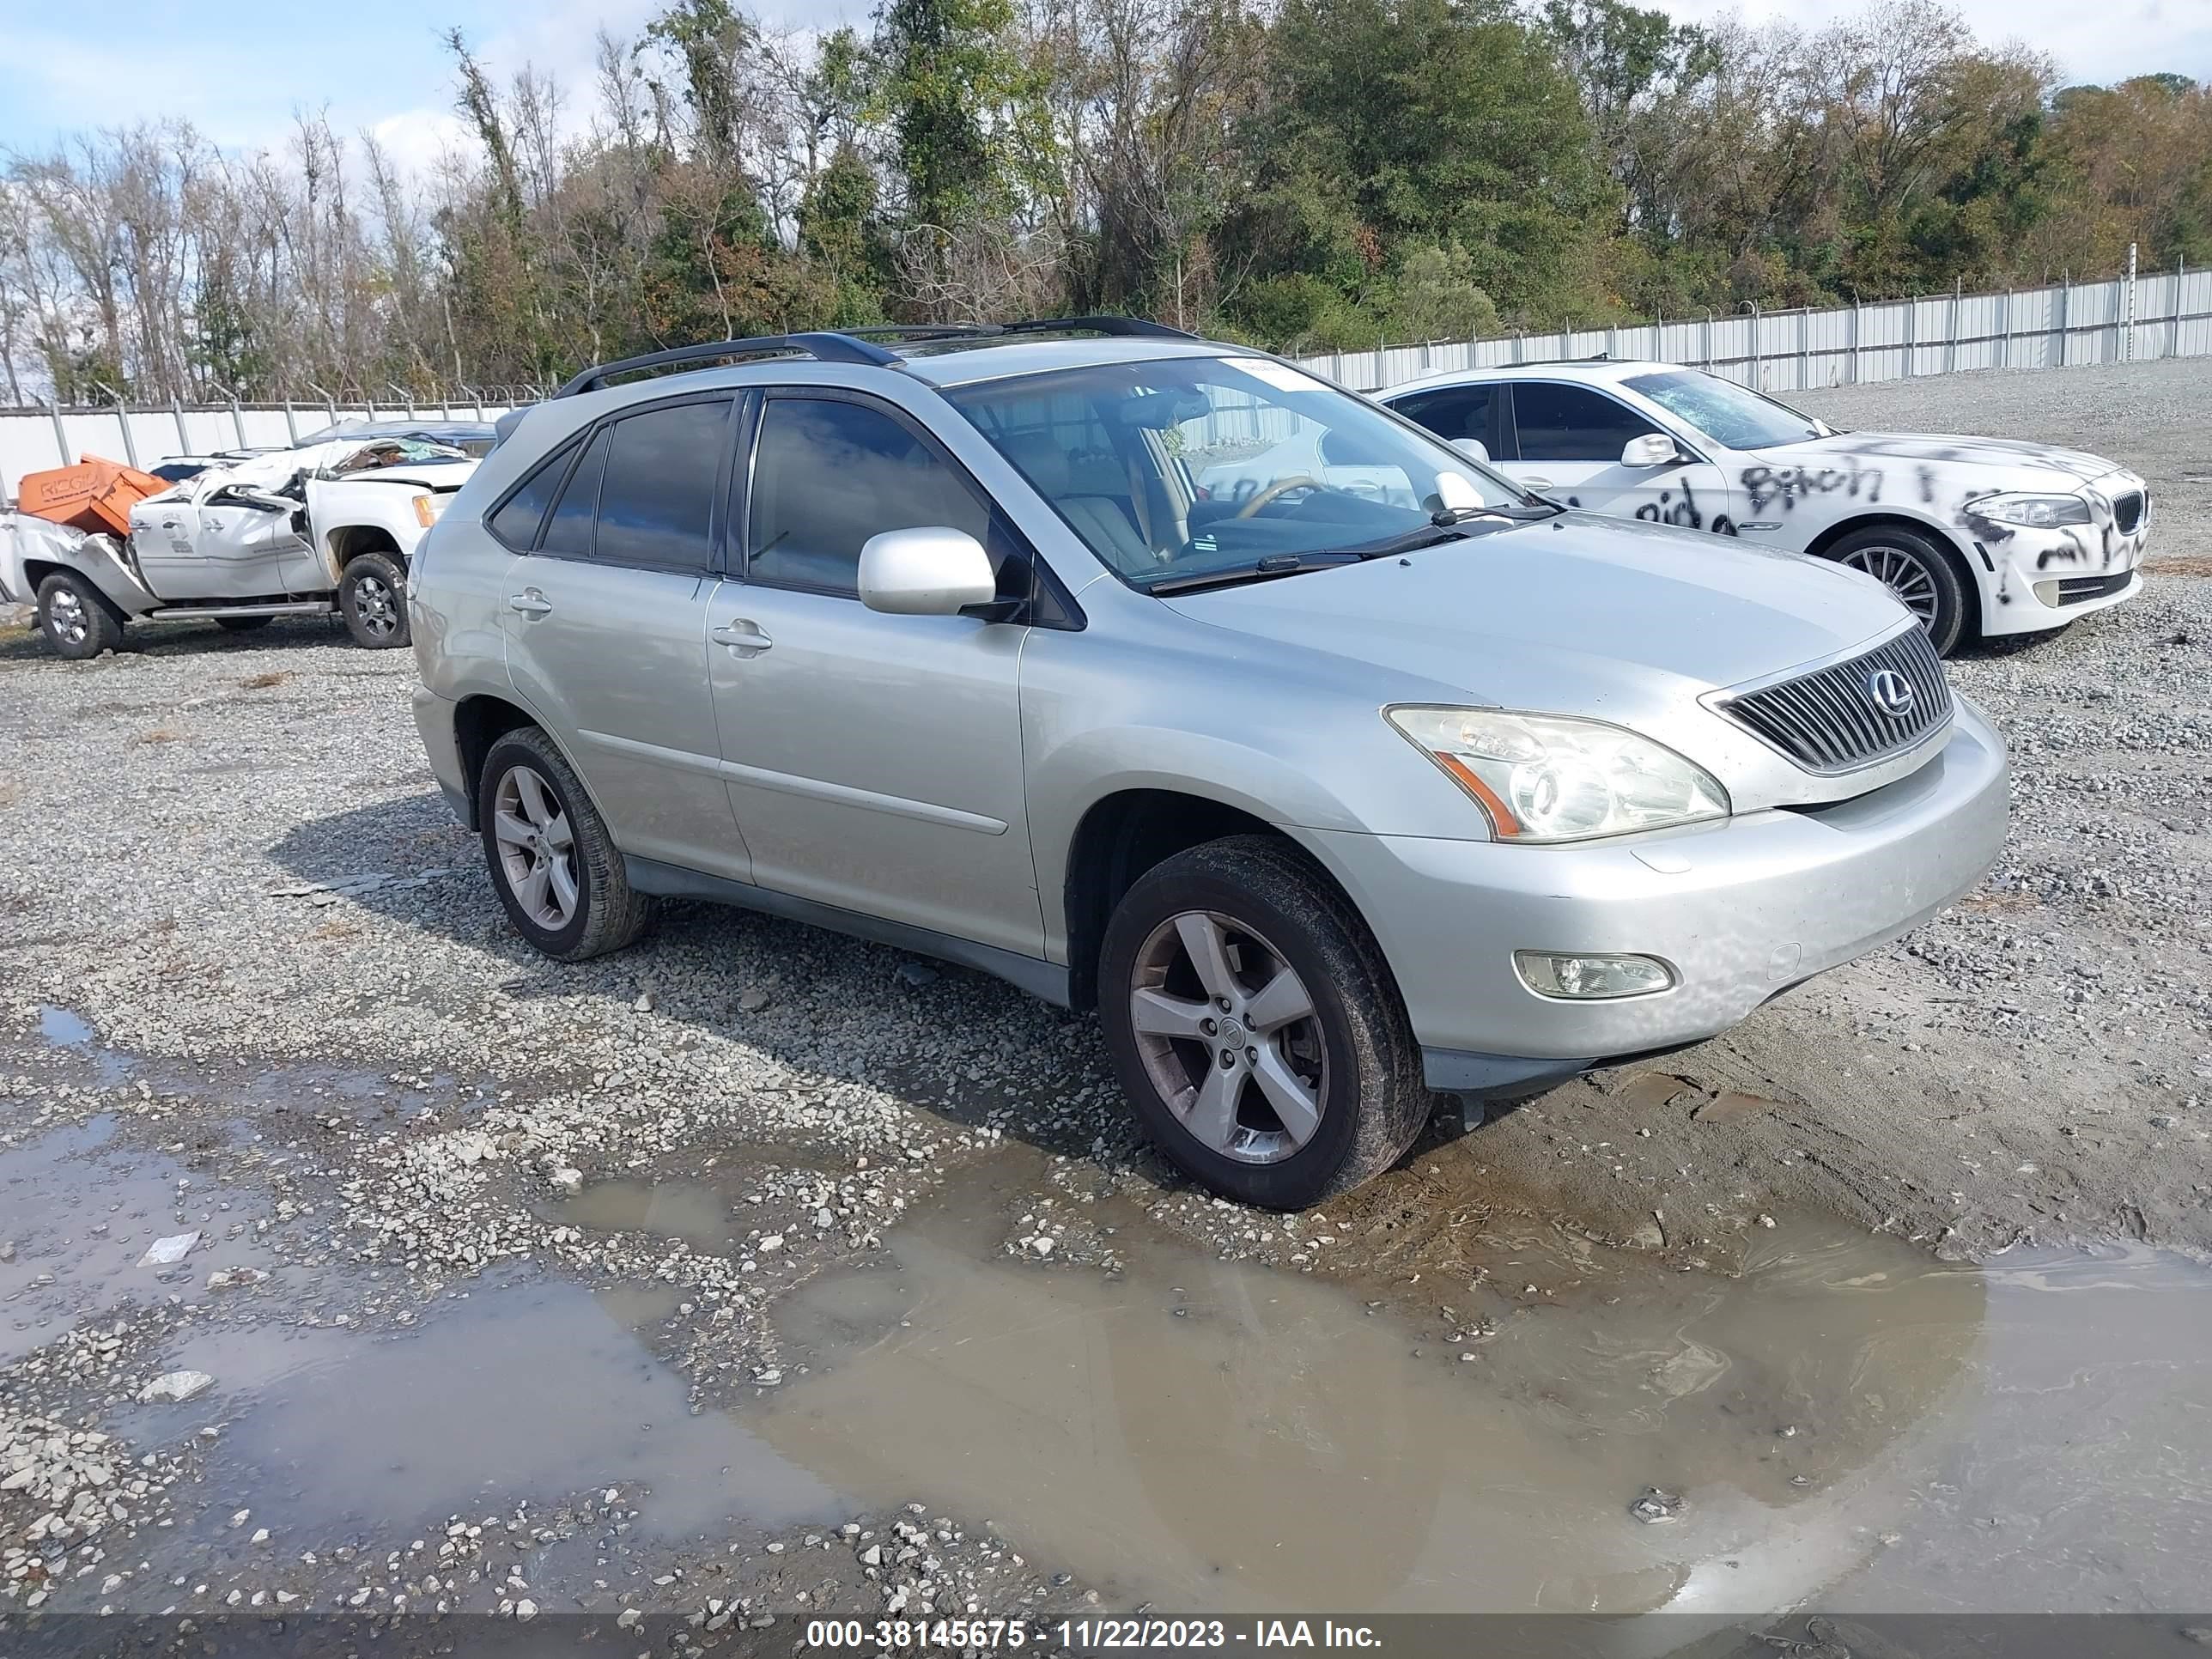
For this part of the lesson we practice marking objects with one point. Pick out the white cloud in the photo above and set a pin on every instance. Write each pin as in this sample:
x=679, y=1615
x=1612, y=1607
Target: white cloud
x=417, y=139
x=2102, y=43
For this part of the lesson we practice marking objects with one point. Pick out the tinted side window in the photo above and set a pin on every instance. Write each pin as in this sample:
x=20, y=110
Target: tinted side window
x=656, y=506
x=1455, y=412
x=517, y=520
x=568, y=531
x=827, y=475
x=1572, y=423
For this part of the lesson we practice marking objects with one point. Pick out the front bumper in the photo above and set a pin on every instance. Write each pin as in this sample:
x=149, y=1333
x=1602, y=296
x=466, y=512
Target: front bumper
x=2046, y=578
x=1741, y=909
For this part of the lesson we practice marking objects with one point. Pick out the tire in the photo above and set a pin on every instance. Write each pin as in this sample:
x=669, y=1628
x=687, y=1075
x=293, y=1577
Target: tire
x=242, y=624
x=1923, y=576
x=373, y=598
x=605, y=912
x=1353, y=1055
x=75, y=617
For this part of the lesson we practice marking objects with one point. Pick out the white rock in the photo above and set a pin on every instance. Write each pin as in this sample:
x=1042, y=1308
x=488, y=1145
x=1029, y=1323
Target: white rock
x=1041, y=1245
x=165, y=1251
x=176, y=1385
x=773, y=1242
x=567, y=1181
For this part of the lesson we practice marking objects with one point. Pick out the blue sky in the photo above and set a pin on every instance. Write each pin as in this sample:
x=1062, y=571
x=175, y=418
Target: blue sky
x=239, y=68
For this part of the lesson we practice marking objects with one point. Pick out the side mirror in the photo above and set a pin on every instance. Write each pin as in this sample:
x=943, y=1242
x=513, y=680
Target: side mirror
x=1472, y=448
x=1652, y=449
x=930, y=571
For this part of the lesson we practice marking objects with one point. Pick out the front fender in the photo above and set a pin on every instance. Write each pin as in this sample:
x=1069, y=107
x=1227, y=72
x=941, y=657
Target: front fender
x=1090, y=767
x=340, y=509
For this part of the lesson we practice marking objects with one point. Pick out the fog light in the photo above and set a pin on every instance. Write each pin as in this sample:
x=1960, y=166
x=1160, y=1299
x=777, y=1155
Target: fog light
x=1588, y=978
x=2047, y=593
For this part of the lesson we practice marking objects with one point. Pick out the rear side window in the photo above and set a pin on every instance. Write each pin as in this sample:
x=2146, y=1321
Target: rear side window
x=1454, y=411
x=1572, y=423
x=520, y=515
x=568, y=531
x=827, y=475
x=656, y=504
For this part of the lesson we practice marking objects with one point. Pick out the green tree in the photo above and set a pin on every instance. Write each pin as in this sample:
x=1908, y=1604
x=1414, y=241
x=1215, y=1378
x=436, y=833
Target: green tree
x=1397, y=122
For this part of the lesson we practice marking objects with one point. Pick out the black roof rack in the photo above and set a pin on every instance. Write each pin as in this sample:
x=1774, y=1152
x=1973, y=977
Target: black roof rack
x=825, y=346
x=1120, y=326
x=857, y=345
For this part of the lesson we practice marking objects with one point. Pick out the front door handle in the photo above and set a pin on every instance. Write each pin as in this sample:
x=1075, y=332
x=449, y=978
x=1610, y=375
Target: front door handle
x=743, y=636
x=1537, y=483
x=529, y=602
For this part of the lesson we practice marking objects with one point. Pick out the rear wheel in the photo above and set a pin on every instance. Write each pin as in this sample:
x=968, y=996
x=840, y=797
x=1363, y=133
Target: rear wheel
x=1922, y=575
x=1256, y=1028
x=373, y=598
x=75, y=617
x=557, y=870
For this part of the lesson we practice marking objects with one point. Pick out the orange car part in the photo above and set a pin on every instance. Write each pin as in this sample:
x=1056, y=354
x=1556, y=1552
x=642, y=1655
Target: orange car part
x=95, y=496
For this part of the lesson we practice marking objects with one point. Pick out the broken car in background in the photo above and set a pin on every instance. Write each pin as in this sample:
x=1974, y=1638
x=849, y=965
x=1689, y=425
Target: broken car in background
x=326, y=527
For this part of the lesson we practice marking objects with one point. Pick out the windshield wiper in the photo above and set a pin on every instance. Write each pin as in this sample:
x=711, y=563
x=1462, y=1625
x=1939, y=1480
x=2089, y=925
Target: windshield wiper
x=1275, y=564
x=1459, y=527
x=1525, y=512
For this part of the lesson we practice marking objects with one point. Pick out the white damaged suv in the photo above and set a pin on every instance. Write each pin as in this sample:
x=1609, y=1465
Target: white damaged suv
x=1976, y=536
x=1007, y=646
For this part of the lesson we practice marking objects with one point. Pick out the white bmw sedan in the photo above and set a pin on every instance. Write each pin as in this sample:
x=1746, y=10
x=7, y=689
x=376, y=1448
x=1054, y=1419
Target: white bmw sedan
x=1977, y=535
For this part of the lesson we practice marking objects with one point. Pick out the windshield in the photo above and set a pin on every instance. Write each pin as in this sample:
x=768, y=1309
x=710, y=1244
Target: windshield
x=1724, y=411
x=1175, y=469
x=473, y=438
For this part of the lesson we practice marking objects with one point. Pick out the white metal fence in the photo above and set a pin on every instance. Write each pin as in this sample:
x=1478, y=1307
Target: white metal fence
x=32, y=440
x=2126, y=319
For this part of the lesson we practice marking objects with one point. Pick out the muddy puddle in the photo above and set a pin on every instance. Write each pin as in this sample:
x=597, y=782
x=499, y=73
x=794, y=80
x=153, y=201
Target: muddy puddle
x=518, y=1392
x=82, y=1206
x=1845, y=1416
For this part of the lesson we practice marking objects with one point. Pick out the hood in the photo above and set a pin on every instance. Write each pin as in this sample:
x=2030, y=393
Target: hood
x=1598, y=611
x=440, y=475
x=2011, y=465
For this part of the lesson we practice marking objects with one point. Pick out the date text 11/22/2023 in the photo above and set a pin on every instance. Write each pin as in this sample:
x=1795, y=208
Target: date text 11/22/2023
x=1083, y=1635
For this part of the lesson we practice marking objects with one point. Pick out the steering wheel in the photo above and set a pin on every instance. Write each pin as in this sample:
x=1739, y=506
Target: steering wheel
x=1281, y=487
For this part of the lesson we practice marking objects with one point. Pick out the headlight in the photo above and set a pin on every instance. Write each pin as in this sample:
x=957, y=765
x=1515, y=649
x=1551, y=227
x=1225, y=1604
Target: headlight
x=1546, y=777
x=428, y=507
x=2033, y=510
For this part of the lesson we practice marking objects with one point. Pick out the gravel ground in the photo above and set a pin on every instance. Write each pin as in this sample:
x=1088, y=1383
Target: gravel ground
x=300, y=1001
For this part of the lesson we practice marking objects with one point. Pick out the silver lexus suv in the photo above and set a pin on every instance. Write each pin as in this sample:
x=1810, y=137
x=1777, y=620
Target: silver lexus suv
x=1331, y=767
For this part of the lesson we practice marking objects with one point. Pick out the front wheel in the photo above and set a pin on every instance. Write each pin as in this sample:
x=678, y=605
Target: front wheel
x=1920, y=573
x=373, y=598
x=1256, y=1028
x=75, y=617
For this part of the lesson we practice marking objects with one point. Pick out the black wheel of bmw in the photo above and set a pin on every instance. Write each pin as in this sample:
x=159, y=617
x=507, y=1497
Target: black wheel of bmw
x=1922, y=574
x=1256, y=1028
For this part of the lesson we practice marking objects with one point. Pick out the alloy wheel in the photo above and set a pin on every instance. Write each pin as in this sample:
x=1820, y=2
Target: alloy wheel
x=1229, y=1037
x=537, y=848
x=1903, y=573
x=374, y=603
x=67, y=611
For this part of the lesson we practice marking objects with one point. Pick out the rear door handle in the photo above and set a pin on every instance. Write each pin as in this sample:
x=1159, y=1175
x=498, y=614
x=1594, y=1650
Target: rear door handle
x=742, y=635
x=529, y=602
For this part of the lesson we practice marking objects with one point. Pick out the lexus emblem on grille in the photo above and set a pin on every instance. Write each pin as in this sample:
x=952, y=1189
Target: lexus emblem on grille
x=1890, y=691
